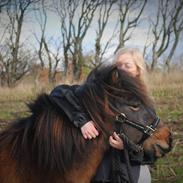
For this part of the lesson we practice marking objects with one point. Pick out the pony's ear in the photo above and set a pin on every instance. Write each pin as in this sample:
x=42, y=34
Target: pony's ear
x=115, y=76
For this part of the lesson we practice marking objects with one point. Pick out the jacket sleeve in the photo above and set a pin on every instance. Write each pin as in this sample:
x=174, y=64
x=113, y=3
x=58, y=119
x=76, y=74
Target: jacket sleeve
x=66, y=99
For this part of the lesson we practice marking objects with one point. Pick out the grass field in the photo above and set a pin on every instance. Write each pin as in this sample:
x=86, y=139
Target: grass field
x=167, y=92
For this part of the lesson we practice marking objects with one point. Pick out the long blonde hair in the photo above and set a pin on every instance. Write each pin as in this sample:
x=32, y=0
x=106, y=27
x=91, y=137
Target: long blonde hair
x=137, y=58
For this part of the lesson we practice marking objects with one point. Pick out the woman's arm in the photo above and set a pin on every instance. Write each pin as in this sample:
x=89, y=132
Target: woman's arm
x=66, y=99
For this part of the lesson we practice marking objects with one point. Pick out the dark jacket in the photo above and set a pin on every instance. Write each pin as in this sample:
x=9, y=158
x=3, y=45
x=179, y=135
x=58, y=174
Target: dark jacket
x=67, y=98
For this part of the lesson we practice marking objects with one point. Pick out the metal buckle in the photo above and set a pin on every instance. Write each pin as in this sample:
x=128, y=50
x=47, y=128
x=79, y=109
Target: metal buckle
x=149, y=129
x=121, y=117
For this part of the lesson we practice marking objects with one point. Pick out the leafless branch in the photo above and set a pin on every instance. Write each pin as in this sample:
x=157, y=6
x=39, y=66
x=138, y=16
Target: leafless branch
x=127, y=22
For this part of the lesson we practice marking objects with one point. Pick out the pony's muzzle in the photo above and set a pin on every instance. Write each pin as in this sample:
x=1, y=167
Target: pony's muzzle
x=159, y=144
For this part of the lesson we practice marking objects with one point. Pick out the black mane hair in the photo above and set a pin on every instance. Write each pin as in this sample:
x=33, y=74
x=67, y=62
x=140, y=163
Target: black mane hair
x=118, y=83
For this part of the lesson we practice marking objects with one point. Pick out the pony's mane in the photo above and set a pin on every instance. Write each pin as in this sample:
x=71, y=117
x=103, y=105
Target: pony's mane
x=48, y=139
x=108, y=80
x=134, y=86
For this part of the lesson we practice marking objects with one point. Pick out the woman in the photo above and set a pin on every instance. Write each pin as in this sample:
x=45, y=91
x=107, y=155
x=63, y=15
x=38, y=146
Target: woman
x=131, y=61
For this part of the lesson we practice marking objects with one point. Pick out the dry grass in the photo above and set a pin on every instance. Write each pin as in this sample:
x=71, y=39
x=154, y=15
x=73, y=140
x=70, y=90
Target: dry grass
x=166, y=84
x=167, y=90
x=13, y=100
x=21, y=92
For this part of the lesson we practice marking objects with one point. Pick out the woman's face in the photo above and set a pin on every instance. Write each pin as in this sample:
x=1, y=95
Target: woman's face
x=126, y=63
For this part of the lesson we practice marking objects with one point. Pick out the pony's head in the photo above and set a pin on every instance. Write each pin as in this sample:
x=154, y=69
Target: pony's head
x=111, y=95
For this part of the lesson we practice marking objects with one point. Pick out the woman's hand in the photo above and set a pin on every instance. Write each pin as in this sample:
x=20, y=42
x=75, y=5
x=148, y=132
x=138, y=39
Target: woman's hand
x=116, y=142
x=89, y=131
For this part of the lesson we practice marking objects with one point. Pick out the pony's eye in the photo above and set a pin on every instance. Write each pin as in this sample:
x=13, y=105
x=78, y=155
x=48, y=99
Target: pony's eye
x=135, y=108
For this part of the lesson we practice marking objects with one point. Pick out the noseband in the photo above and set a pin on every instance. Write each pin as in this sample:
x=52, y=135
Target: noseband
x=147, y=130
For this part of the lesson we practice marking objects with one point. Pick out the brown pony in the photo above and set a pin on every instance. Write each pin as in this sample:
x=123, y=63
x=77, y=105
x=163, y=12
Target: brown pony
x=47, y=147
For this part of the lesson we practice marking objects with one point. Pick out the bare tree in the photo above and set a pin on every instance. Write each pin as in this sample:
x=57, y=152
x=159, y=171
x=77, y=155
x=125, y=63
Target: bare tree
x=166, y=30
x=74, y=30
x=79, y=32
x=105, y=11
x=128, y=23
x=66, y=11
x=15, y=66
x=177, y=19
x=3, y=3
x=41, y=17
x=53, y=57
x=161, y=30
x=48, y=57
x=4, y=62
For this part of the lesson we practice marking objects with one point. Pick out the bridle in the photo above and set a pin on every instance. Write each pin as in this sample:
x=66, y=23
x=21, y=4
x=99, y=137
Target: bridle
x=147, y=130
x=129, y=145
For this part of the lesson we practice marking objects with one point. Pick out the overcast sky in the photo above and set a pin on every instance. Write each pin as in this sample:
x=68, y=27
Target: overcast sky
x=138, y=38
x=53, y=30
